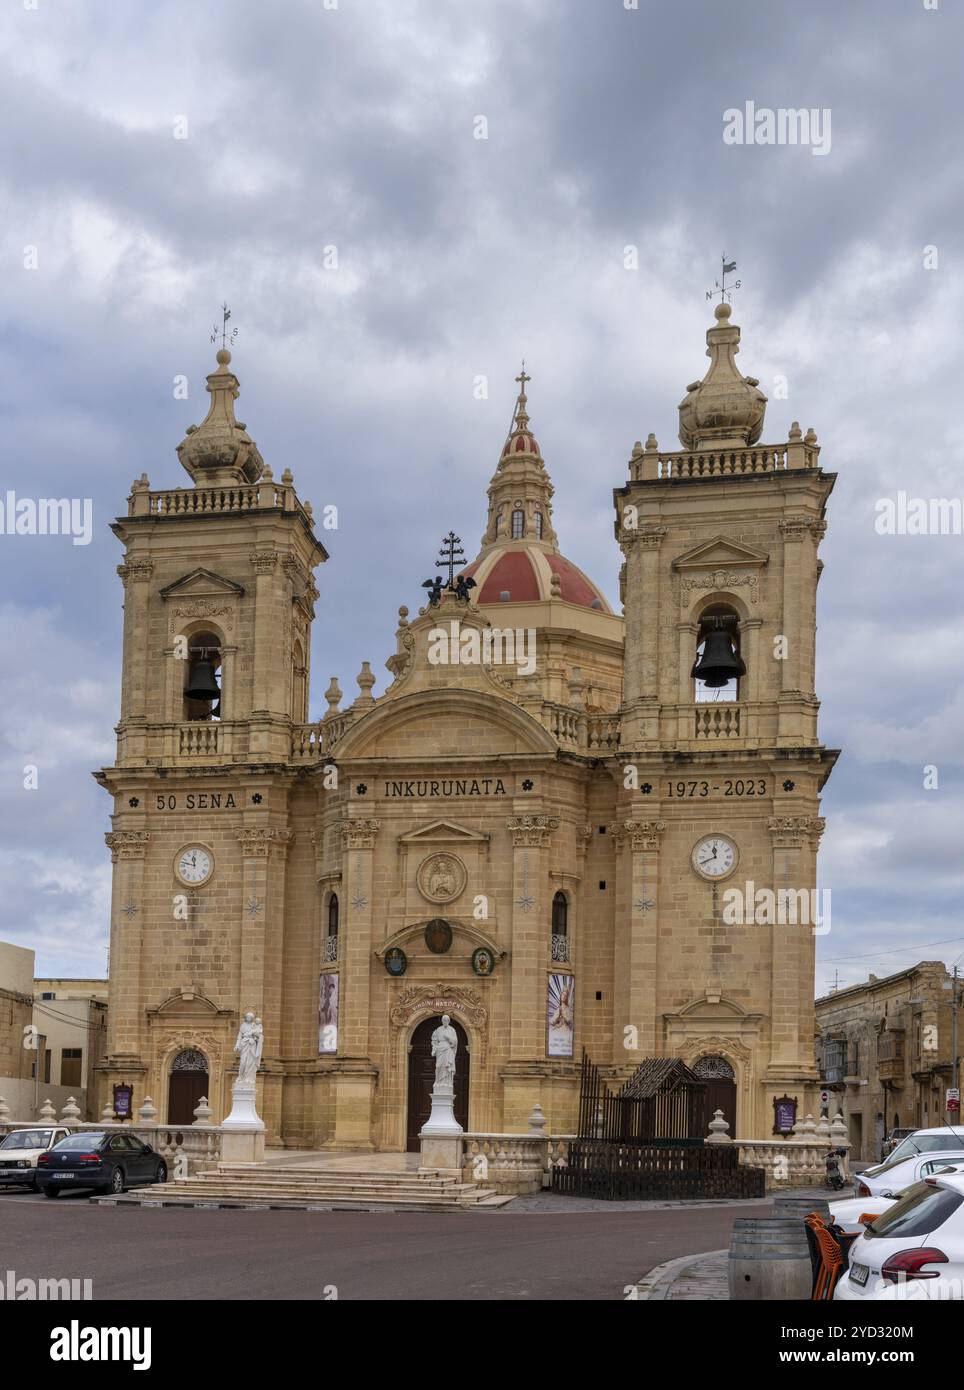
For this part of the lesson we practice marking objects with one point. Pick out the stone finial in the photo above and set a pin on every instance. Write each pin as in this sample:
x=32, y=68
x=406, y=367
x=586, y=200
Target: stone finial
x=4, y=1111
x=107, y=1114
x=726, y=408
x=47, y=1113
x=822, y=1131
x=555, y=586
x=147, y=1113
x=365, y=680
x=287, y=477
x=809, y=1130
x=811, y=436
x=220, y=449
x=839, y=1133
x=577, y=686
x=203, y=1113
x=719, y=1129
x=141, y=484
x=537, y=1120
x=795, y=432
x=71, y=1111
x=333, y=696
x=651, y=445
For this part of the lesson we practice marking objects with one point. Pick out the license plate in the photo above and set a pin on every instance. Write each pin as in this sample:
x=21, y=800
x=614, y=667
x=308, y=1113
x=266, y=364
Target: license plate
x=63, y=1175
x=859, y=1274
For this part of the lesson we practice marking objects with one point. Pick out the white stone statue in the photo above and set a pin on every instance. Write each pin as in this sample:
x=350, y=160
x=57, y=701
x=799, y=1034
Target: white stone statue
x=444, y=1044
x=249, y=1044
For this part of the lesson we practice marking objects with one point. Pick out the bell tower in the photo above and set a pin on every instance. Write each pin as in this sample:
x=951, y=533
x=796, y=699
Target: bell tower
x=219, y=600
x=722, y=765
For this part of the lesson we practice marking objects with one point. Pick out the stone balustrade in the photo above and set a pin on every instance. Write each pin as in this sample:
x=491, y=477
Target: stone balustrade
x=512, y=1164
x=652, y=463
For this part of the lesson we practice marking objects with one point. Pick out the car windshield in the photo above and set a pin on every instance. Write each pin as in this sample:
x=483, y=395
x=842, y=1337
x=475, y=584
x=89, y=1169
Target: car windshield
x=27, y=1139
x=80, y=1141
x=920, y=1210
x=925, y=1144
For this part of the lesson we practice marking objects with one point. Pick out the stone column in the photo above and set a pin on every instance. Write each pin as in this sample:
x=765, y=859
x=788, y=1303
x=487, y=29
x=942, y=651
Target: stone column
x=136, y=575
x=795, y=535
x=264, y=852
x=354, y=1075
x=124, y=1017
x=531, y=930
x=641, y=693
x=792, y=952
x=636, y=939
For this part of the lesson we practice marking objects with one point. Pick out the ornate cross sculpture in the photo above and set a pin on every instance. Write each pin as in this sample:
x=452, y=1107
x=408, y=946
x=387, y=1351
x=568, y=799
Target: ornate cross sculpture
x=222, y=332
x=451, y=553
x=722, y=289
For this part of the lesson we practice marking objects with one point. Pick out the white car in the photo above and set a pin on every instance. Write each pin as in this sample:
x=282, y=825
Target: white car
x=19, y=1152
x=914, y=1250
x=846, y=1212
x=944, y=1139
x=892, y=1178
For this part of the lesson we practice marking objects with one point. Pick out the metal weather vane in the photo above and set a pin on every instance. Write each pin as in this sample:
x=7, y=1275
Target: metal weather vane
x=721, y=287
x=222, y=332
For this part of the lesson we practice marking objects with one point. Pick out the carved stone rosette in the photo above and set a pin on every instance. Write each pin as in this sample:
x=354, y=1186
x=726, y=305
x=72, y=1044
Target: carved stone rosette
x=639, y=834
x=534, y=831
x=792, y=832
x=359, y=834
x=260, y=844
x=127, y=844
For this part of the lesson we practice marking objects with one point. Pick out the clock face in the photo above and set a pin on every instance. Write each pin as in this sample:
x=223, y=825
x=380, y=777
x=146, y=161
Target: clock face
x=714, y=856
x=194, y=864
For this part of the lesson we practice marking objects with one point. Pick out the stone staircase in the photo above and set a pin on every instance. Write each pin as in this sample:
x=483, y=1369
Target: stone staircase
x=302, y=1188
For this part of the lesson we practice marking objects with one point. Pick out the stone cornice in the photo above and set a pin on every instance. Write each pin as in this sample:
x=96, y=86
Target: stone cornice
x=258, y=843
x=359, y=834
x=638, y=834
x=531, y=830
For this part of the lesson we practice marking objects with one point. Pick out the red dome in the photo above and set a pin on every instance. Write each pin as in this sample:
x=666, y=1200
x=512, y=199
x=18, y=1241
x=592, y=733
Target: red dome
x=526, y=576
x=521, y=444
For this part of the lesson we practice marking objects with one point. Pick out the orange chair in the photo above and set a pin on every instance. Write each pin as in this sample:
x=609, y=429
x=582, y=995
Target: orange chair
x=831, y=1260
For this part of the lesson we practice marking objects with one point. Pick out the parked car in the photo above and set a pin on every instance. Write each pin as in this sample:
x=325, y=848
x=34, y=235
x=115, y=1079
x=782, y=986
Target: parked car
x=921, y=1141
x=914, y=1250
x=105, y=1162
x=891, y=1178
x=893, y=1139
x=19, y=1152
x=847, y=1212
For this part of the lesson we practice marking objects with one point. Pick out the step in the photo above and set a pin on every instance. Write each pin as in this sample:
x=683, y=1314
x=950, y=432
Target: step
x=462, y=1193
x=151, y=1197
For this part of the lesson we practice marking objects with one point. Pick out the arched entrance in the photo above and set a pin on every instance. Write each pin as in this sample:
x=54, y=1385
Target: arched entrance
x=720, y=1089
x=189, y=1082
x=421, y=1077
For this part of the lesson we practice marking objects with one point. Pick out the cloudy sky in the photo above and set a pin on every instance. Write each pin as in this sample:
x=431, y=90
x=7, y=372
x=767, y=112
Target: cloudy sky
x=309, y=127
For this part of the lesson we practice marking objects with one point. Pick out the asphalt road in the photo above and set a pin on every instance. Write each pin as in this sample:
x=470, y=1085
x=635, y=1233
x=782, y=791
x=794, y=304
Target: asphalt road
x=157, y=1253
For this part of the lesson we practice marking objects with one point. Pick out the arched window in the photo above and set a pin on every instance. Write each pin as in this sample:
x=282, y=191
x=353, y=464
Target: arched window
x=299, y=684
x=538, y=521
x=719, y=627
x=560, y=926
x=331, y=937
x=202, y=679
x=518, y=523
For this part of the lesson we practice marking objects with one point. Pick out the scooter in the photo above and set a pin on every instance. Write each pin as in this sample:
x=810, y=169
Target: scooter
x=835, y=1177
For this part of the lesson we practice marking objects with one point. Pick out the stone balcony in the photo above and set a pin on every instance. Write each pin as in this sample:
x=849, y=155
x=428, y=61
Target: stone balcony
x=652, y=465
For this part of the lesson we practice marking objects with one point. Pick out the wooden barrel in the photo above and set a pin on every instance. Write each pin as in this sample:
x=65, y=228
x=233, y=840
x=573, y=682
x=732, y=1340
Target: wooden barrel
x=770, y=1259
x=801, y=1206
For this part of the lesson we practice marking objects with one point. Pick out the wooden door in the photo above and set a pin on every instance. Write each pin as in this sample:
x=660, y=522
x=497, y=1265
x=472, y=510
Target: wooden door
x=421, y=1077
x=184, y=1093
x=721, y=1095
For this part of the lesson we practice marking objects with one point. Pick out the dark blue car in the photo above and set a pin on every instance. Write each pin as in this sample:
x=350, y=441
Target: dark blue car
x=105, y=1162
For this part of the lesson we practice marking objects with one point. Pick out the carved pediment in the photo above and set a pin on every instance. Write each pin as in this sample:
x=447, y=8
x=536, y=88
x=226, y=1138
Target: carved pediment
x=201, y=583
x=439, y=832
x=720, y=553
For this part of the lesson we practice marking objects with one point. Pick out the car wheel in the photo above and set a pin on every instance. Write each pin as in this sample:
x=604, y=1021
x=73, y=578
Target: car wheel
x=49, y=1191
x=117, y=1181
x=160, y=1172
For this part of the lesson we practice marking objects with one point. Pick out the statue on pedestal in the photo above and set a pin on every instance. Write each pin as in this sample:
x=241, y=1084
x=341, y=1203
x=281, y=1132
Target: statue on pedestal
x=249, y=1044
x=444, y=1045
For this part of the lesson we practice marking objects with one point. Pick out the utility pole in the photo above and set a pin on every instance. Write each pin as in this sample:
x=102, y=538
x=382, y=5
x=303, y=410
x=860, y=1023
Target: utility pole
x=953, y=1116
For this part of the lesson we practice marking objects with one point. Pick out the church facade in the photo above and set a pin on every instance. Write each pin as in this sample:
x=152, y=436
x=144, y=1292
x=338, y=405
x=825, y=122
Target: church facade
x=547, y=827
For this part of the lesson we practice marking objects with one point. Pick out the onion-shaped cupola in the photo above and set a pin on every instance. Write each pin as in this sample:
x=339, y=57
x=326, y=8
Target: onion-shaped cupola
x=220, y=450
x=519, y=561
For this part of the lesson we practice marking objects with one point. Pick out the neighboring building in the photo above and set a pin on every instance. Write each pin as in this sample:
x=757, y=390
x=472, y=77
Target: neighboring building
x=72, y=1015
x=16, y=1008
x=544, y=854
x=885, y=1050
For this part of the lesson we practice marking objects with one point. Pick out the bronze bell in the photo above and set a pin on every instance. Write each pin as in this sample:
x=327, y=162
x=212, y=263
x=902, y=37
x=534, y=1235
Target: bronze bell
x=201, y=683
x=718, y=664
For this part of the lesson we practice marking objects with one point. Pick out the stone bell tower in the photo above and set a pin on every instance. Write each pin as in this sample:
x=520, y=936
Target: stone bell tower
x=722, y=765
x=218, y=604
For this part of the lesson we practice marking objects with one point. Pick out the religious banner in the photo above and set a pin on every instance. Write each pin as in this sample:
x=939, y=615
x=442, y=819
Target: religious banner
x=327, y=1014
x=559, y=1016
